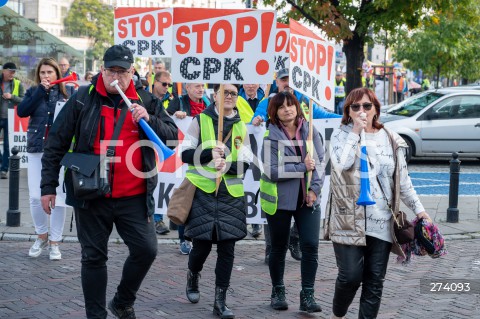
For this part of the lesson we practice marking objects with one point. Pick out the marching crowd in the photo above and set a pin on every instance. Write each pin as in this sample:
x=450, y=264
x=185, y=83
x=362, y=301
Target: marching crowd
x=111, y=176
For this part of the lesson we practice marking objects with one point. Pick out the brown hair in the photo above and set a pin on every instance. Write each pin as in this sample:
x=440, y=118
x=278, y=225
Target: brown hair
x=356, y=95
x=53, y=63
x=277, y=101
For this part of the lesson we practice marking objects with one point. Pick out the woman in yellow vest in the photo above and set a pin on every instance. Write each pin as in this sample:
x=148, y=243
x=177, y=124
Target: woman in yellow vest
x=216, y=218
x=285, y=193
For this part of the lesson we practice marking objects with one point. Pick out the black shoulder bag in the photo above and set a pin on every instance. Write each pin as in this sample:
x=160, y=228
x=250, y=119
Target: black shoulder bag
x=90, y=172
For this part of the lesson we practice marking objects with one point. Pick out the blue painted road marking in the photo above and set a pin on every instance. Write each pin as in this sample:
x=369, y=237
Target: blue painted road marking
x=430, y=183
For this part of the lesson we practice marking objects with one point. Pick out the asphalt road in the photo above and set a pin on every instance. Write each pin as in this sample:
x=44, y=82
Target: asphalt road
x=432, y=176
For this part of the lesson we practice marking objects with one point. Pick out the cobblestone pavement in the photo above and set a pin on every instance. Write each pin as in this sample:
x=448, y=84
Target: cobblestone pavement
x=40, y=288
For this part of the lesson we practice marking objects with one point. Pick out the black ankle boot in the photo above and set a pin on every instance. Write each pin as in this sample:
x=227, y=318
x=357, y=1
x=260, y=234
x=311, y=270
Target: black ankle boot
x=193, y=294
x=307, y=301
x=277, y=300
x=220, y=307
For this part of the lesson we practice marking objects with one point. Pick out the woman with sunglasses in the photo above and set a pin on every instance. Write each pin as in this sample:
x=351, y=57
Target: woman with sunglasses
x=216, y=217
x=362, y=235
x=286, y=192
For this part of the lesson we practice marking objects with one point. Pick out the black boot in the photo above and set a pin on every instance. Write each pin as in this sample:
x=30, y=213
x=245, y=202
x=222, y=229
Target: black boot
x=193, y=294
x=294, y=247
x=277, y=300
x=220, y=307
x=307, y=301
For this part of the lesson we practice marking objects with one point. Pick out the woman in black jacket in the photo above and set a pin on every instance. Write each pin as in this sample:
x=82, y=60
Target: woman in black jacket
x=39, y=104
x=218, y=218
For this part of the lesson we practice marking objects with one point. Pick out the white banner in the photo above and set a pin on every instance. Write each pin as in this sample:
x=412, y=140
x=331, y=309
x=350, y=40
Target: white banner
x=223, y=46
x=312, y=65
x=148, y=32
x=17, y=135
x=172, y=176
x=282, y=41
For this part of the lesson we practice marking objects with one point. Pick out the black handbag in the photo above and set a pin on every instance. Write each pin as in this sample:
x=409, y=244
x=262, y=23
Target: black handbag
x=86, y=176
x=90, y=172
x=403, y=229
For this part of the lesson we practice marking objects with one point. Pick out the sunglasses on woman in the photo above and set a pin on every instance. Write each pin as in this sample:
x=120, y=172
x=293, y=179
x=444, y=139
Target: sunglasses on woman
x=355, y=107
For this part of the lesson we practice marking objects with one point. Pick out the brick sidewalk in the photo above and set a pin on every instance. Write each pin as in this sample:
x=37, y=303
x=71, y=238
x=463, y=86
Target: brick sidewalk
x=39, y=288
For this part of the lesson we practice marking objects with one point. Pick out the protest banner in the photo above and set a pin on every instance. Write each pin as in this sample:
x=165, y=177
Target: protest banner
x=17, y=135
x=171, y=176
x=172, y=171
x=148, y=32
x=312, y=65
x=223, y=46
x=282, y=41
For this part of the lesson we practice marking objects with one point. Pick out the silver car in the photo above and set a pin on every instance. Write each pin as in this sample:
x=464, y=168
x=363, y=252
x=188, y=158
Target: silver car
x=438, y=123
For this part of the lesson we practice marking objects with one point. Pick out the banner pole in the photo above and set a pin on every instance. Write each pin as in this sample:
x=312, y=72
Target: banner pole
x=220, y=131
x=309, y=140
x=150, y=82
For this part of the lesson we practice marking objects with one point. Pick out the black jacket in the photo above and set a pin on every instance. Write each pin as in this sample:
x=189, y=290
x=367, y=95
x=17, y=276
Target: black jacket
x=82, y=120
x=225, y=214
x=40, y=104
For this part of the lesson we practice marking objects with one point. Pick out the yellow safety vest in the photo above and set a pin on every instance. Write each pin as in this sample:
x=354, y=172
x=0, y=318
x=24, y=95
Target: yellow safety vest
x=268, y=189
x=16, y=87
x=204, y=177
x=340, y=89
x=244, y=109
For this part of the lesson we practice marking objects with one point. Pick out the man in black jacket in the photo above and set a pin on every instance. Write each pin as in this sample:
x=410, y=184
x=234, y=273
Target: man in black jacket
x=89, y=118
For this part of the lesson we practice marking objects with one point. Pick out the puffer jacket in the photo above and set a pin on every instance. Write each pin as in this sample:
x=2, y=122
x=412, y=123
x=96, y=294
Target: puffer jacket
x=40, y=104
x=225, y=214
x=80, y=118
x=277, y=143
x=345, y=221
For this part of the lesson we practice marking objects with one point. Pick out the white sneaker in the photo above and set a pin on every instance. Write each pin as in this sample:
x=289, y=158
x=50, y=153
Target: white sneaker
x=37, y=247
x=55, y=252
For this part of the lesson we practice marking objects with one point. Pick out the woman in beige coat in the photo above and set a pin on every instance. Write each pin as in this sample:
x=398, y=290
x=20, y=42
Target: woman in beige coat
x=362, y=235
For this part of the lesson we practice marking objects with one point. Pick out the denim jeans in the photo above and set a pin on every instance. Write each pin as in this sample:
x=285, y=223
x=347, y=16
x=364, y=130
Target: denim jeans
x=94, y=226
x=366, y=265
x=307, y=220
x=6, y=150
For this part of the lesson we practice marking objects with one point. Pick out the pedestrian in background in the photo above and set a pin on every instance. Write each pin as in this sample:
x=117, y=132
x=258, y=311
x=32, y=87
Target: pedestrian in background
x=88, y=76
x=285, y=193
x=221, y=218
x=340, y=92
x=64, y=67
x=12, y=93
x=362, y=235
x=39, y=104
x=91, y=117
x=162, y=89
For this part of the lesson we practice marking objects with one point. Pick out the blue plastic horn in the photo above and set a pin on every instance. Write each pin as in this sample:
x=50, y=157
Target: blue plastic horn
x=162, y=150
x=365, y=198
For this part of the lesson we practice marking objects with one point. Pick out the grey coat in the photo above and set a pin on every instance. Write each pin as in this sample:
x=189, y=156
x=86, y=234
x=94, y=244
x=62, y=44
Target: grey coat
x=289, y=173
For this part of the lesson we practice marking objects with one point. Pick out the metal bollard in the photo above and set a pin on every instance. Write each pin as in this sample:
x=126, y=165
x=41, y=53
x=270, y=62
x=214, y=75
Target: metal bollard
x=452, y=211
x=13, y=214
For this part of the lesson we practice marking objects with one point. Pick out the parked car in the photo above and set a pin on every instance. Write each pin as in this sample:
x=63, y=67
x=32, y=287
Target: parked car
x=438, y=123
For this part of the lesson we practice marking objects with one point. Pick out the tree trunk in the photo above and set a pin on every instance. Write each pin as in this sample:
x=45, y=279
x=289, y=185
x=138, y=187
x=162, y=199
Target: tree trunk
x=355, y=55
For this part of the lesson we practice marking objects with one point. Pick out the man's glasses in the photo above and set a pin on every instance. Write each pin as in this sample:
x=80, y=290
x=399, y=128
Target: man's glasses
x=231, y=93
x=165, y=84
x=356, y=106
x=120, y=72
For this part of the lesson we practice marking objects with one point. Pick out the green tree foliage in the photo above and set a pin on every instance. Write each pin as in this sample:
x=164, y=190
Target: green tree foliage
x=350, y=21
x=91, y=18
x=446, y=44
